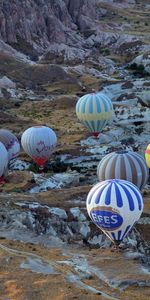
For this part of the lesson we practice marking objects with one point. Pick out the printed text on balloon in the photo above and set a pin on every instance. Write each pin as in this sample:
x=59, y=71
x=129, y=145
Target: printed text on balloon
x=106, y=219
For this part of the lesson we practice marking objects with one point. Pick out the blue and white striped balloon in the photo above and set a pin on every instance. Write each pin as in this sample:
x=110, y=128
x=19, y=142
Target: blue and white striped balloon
x=94, y=111
x=115, y=206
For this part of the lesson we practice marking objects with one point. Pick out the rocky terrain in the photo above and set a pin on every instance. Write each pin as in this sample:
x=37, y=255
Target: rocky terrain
x=51, y=53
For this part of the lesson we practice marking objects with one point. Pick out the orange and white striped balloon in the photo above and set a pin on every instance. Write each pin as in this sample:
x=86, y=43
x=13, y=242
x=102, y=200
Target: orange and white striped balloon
x=127, y=165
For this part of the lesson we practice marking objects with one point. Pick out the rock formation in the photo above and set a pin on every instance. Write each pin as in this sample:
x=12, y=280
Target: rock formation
x=33, y=26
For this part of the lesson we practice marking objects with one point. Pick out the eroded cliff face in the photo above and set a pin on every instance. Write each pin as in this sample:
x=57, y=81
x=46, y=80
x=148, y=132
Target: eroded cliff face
x=43, y=22
x=39, y=23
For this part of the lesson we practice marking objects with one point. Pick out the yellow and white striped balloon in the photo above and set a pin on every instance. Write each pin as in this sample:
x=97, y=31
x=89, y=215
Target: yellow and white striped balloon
x=147, y=155
x=94, y=111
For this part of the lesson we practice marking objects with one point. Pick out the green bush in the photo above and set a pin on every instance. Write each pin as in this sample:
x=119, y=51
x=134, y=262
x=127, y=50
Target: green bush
x=138, y=69
x=105, y=51
x=33, y=168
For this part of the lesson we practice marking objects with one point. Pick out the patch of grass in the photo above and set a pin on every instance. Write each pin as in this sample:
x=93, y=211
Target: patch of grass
x=15, y=190
x=63, y=87
x=34, y=168
x=105, y=51
x=90, y=82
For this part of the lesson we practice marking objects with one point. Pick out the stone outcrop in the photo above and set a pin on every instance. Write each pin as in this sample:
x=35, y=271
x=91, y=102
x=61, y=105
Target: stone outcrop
x=5, y=82
x=32, y=27
x=42, y=22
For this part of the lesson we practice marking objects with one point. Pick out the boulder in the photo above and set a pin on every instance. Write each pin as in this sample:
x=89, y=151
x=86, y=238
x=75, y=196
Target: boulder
x=5, y=82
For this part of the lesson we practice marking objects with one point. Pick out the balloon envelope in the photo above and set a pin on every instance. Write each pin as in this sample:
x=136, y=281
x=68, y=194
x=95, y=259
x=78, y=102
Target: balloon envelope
x=38, y=142
x=3, y=159
x=114, y=206
x=127, y=165
x=94, y=111
x=147, y=155
x=10, y=142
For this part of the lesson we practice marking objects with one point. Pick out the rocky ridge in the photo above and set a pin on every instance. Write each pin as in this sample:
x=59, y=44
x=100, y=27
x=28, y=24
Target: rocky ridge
x=34, y=26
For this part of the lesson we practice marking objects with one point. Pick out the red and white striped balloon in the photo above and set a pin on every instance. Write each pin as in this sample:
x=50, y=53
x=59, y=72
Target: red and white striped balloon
x=38, y=142
x=127, y=165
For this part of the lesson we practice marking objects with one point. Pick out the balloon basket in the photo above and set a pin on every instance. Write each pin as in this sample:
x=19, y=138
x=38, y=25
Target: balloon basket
x=117, y=243
x=95, y=134
x=115, y=247
x=41, y=169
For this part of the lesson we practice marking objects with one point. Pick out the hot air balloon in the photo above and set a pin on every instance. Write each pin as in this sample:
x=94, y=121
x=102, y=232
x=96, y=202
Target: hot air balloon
x=3, y=161
x=115, y=205
x=10, y=142
x=94, y=111
x=127, y=165
x=38, y=142
x=147, y=155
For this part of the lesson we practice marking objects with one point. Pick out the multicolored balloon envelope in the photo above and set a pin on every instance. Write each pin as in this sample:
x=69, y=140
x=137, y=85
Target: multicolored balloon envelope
x=3, y=160
x=115, y=206
x=127, y=165
x=94, y=111
x=10, y=142
x=38, y=142
x=147, y=155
